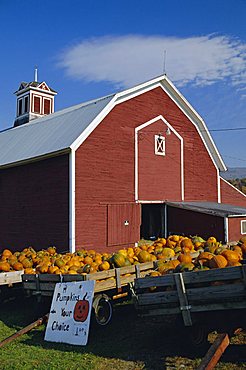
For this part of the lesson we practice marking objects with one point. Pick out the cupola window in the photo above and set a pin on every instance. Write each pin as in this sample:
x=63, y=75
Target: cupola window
x=46, y=106
x=36, y=104
x=26, y=104
x=19, y=107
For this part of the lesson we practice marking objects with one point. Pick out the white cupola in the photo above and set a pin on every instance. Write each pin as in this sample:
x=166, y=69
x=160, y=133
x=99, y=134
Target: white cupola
x=34, y=99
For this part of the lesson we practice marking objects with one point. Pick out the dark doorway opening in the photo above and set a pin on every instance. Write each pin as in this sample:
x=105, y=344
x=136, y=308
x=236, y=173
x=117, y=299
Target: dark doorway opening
x=153, y=221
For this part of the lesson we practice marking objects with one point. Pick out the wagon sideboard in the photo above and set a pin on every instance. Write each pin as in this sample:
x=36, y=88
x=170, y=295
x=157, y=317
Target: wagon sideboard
x=189, y=292
x=114, y=280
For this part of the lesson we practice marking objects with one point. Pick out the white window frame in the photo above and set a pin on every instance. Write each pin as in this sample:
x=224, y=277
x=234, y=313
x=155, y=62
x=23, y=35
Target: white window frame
x=26, y=98
x=158, y=145
x=243, y=226
x=19, y=111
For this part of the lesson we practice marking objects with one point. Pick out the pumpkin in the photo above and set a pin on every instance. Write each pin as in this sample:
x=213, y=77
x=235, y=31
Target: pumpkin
x=204, y=258
x=18, y=266
x=4, y=266
x=212, y=239
x=104, y=266
x=218, y=261
x=7, y=253
x=170, y=243
x=27, y=263
x=29, y=270
x=168, y=253
x=185, y=267
x=88, y=260
x=144, y=256
x=234, y=263
x=185, y=258
x=186, y=243
x=118, y=260
x=231, y=256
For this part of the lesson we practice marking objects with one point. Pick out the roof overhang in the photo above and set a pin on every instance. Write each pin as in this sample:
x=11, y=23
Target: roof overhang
x=213, y=209
x=164, y=83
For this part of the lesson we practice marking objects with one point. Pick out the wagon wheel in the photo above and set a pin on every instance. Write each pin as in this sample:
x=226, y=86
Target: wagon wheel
x=103, y=309
x=198, y=334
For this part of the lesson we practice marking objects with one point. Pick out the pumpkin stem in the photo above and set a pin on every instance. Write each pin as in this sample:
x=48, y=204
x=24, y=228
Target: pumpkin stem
x=85, y=296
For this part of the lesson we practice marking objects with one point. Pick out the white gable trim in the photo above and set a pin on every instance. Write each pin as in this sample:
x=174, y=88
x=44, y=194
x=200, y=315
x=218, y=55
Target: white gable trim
x=43, y=83
x=72, y=201
x=228, y=183
x=137, y=129
x=179, y=100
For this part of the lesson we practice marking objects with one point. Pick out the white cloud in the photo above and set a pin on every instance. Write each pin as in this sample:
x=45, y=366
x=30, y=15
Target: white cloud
x=127, y=60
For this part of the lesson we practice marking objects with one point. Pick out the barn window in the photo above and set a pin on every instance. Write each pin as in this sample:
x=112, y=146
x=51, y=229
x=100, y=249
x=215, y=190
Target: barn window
x=159, y=145
x=19, y=107
x=26, y=104
x=243, y=227
x=36, y=104
x=46, y=106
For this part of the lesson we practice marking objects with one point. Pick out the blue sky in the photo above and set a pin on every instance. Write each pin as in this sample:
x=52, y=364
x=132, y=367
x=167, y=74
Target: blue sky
x=87, y=49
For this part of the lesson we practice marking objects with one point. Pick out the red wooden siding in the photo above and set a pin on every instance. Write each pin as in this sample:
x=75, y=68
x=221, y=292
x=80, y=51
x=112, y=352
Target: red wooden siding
x=91, y=226
x=230, y=195
x=183, y=221
x=34, y=205
x=234, y=228
x=123, y=223
x=105, y=162
x=156, y=172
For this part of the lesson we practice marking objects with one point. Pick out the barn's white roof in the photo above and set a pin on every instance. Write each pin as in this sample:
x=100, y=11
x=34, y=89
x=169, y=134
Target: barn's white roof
x=50, y=134
x=67, y=129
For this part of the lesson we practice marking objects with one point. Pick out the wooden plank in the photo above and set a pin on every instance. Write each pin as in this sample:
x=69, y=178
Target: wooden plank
x=194, y=277
x=158, y=281
x=219, y=306
x=216, y=293
x=158, y=298
x=155, y=311
x=183, y=300
x=12, y=277
x=203, y=276
x=215, y=352
x=29, y=285
x=25, y=330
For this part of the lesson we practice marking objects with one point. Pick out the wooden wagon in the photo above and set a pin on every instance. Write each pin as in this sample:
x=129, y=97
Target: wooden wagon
x=111, y=286
x=199, y=297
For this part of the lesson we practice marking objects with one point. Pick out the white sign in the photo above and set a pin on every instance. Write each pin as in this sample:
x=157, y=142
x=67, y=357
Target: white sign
x=70, y=313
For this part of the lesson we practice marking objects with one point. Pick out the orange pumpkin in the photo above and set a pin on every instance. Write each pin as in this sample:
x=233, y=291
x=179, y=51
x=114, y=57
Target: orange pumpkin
x=18, y=266
x=218, y=261
x=185, y=258
x=4, y=266
x=231, y=256
x=144, y=256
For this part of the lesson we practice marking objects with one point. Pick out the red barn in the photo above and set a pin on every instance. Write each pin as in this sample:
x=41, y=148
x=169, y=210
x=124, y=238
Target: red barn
x=104, y=173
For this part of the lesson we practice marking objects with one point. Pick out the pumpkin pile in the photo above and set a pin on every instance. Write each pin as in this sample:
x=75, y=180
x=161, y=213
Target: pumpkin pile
x=176, y=253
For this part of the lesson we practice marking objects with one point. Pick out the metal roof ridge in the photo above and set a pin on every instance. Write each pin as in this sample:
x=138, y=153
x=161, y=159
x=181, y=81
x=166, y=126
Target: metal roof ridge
x=58, y=113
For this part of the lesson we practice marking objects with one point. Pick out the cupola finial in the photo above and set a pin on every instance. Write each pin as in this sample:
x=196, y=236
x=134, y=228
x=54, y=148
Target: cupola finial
x=36, y=74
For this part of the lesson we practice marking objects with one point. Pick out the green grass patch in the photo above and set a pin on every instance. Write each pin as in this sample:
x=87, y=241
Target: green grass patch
x=128, y=343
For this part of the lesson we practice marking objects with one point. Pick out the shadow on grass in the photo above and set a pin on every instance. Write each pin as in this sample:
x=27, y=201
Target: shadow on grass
x=128, y=337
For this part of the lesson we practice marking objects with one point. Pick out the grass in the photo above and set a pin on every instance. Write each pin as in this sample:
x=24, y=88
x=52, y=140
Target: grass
x=128, y=343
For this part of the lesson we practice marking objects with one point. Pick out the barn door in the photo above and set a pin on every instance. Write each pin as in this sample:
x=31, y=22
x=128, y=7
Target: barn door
x=123, y=223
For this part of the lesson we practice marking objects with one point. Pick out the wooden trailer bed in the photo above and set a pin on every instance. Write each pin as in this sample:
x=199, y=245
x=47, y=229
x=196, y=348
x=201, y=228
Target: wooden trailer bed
x=191, y=292
x=113, y=280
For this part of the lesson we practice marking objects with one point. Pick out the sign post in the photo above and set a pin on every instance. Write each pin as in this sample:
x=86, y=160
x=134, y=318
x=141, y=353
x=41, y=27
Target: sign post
x=70, y=313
